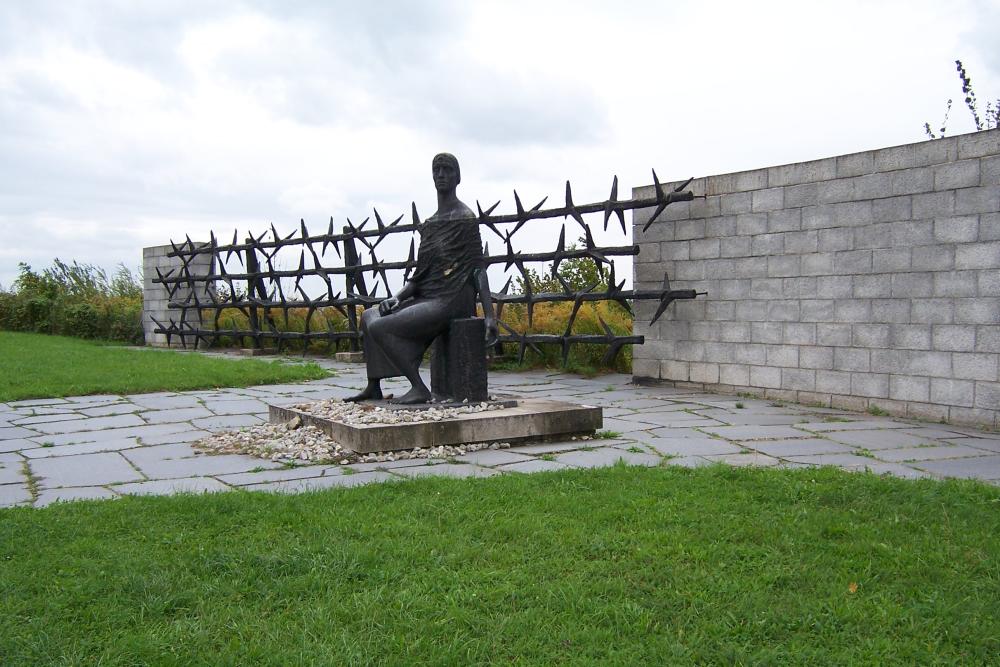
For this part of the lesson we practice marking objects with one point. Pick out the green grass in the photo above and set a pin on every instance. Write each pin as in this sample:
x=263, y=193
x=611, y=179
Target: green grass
x=619, y=566
x=41, y=366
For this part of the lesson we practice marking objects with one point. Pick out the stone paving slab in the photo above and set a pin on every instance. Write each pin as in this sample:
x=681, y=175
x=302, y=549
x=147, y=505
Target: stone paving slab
x=14, y=494
x=171, y=486
x=977, y=443
x=692, y=446
x=12, y=473
x=799, y=447
x=928, y=453
x=113, y=409
x=83, y=470
x=492, y=457
x=91, y=424
x=877, y=439
x=447, y=470
x=743, y=460
x=862, y=425
x=9, y=432
x=279, y=474
x=607, y=456
x=80, y=448
x=48, y=496
x=689, y=462
x=533, y=465
x=781, y=432
x=983, y=467
x=319, y=483
x=44, y=419
x=172, y=416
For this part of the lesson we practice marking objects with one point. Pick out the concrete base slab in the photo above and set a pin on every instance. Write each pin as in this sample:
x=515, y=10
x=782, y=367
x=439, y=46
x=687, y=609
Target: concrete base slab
x=350, y=357
x=529, y=419
x=258, y=351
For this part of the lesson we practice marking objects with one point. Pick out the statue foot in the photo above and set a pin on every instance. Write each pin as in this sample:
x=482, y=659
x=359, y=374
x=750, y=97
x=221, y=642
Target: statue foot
x=414, y=396
x=373, y=392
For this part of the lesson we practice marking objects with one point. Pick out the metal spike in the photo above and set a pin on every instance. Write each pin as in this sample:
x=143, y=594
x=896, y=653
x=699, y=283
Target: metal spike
x=416, y=218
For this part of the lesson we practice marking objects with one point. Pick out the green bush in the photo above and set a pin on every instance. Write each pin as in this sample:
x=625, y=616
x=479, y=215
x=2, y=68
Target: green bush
x=75, y=300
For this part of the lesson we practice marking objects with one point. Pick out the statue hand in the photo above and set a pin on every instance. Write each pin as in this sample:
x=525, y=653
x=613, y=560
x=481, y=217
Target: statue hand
x=388, y=305
x=492, y=332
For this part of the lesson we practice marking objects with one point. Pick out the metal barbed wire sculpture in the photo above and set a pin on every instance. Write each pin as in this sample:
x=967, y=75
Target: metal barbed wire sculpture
x=255, y=290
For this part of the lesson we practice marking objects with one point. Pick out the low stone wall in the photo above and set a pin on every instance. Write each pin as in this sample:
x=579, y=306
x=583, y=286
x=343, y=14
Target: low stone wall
x=154, y=295
x=864, y=281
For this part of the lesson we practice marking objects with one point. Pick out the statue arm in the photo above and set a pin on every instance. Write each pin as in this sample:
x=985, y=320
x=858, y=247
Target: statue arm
x=486, y=300
x=391, y=303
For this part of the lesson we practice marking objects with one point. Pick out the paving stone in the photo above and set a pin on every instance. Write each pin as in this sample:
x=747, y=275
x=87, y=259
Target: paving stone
x=48, y=496
x=755, y=432
x=113, y=409
x=143, y=432
x=688, y=462
x=550, y=447
x=12, y=432
x=745, y=418
x=93, y=398
x=891, y=439
x=822, y=427
x=10, y=457
x=227, y=422
x=492, y=457
x=17, y=444
x=12, y=472
x=391, y=465
x=162, y=401
x=279, y=474
x=163, y=487
x=318, y=483
x=447, y=470
x=223, y=464
x=239, y=407
x=91, y=424
x=14, y=494
x=802, y=447
x=744, y=460
x=607, y=456
x=171, y=438
x=83, y=470
x=153, y=453
x=173, y=416
x=928, y=453
x=842, y=460
x=983, y=467
x=661, y=419
x=533, y=465
x=80, y=448
x=692, y=446
x=44, y=419
x=36, y=401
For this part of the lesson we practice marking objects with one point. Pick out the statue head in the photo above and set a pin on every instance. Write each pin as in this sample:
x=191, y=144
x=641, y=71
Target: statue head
x=446, y=172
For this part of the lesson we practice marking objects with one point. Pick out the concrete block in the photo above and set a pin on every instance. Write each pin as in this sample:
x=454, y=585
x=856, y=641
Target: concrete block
x=912, y=181
x=892, y=209
x=954, y=283
x=872, y=385
x=799, y=196
x=982, y=310
x=646, y=368
x=835, y=239
x=835, y=334
x=819, y=217
x=802, y=287
x=872, y=186
x=978, y=144
x=910, y=336
x=988, y=395
x=690, y=350
x=735, y=246
x=852, y=213
x=934, y=364
x=989, y=227
x=648, y=253
x=888, y=311
x=833, y=382
x=870, y=335
x=908, y=388
x=802, y=172
x=783, y=311
x=678, y=371
x=817, y=264
x=754, y=354
x=984, y=255
x=783, y=355
x=749, y=180
x=912, y=232
x=987, y=339
x=852, y=262
x=802, y=242
x=916, y=155
x=784, y=220
x=689, y=229
x=736, y=202
x=705, y=207
x=735, y=332
x=835, y=287
x=817, y=310
x=763, y=376
x=988, y=282
x=767, y=244
x=855, y=164
x=927, y=411
x=989, y=171
x=799, y=333
x=766, y=332
x=890, y=260
x=877, y=285
x=953, y=392
x=875, y=235
x=749, y=224
x=705, y=331
x=798, y=379
x=783, y=265
x=724, y=225
x=720, y=352
x=734, y=289
x=707, y=373
x=932, y=311
x=851, y=359
x=954, y=337
x=978, y=417
x=853, y=310
x=830, y=192
x=977, y=200
x=933, y=205
x=933, y=258
x=975, y=366
x=734, y=374
x=675, y=250
x=704, y=248
x=816, y=357
x=912, y=285
x=953, y=175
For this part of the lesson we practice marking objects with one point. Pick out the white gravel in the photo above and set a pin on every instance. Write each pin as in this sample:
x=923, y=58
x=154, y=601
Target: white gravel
x=293, y=442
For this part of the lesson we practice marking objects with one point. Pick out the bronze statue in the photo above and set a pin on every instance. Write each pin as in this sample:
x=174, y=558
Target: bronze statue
x=450, y=274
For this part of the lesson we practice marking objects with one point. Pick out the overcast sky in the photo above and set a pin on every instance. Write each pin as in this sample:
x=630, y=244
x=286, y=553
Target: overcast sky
x=125, y=124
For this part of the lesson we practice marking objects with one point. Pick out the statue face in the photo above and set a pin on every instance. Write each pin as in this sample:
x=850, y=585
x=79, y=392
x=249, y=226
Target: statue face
x=446, y=176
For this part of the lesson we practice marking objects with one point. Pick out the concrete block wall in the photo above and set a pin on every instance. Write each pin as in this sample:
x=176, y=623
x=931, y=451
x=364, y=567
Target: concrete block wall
x=155, y=296
x=857, y=281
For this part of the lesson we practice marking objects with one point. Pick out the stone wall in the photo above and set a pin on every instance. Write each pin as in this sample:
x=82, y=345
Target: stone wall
x=864, y=281
x=154, y=295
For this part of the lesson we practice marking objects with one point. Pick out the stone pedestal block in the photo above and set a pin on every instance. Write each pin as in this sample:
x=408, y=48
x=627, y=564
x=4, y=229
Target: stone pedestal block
x=458, y=361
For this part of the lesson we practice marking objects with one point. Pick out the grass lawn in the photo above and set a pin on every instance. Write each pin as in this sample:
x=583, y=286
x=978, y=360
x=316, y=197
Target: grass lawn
x=616, y=566
x=41, y=366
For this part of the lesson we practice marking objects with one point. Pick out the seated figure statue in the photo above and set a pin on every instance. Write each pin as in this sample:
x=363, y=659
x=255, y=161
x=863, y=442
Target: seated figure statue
x=450, y=274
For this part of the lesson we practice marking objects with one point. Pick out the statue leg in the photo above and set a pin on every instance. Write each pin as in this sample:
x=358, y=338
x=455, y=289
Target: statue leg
x=373, y=391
